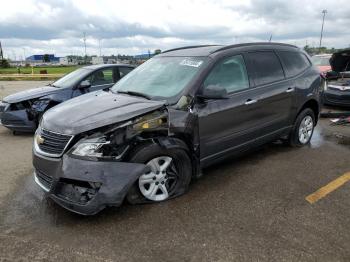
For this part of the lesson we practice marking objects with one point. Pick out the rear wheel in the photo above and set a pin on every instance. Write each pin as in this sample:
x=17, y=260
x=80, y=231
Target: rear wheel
x=169, y=175
x=303, y=128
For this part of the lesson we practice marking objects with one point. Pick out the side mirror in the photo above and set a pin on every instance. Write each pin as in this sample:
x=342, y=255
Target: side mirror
x=213, y=92
x=84, y=84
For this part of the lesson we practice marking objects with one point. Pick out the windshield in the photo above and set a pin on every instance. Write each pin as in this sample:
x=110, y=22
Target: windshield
x=160, y=77
x=320, y=61
x=71, y=78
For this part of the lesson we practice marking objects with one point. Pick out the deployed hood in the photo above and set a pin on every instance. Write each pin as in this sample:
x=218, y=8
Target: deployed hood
x=340, y=61
x=95, y=110
x=30, y=94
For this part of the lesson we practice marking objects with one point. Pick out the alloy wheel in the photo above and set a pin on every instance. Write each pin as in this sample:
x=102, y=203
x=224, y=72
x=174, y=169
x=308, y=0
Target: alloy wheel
x=305, y=129
x=159, y=183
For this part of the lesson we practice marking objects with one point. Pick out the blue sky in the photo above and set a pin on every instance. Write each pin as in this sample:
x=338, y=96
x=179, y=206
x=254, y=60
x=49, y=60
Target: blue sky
x=132, y=27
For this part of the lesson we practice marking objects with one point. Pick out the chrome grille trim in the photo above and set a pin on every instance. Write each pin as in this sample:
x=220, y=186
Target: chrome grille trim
x=52, y=146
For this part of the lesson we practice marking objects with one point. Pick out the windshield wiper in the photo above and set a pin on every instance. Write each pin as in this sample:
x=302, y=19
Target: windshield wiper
x=134, y=93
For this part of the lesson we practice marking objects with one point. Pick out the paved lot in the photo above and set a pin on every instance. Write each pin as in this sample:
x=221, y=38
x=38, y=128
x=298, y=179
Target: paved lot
x=248, y=209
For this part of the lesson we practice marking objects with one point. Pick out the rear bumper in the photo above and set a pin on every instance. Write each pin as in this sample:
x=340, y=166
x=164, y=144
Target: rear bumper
x=17, y=121
x=85, y=187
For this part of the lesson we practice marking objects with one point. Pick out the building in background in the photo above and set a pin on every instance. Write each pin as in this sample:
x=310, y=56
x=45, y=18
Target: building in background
x=68, y=60
x=46, y=59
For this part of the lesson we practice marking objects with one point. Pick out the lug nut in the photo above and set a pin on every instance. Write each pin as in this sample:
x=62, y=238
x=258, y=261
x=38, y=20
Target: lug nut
x=157, y=183
x=162, y=182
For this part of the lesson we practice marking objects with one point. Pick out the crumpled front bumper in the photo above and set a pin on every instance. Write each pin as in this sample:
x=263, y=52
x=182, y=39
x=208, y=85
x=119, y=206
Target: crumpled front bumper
x=85, y=187
x=17, y=121
x=336, y=97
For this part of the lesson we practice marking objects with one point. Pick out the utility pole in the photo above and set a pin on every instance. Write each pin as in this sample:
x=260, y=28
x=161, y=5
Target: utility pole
x=99, y=46
x=84, y=39
x=24, y=55
x=324, y=14
x=1, y=53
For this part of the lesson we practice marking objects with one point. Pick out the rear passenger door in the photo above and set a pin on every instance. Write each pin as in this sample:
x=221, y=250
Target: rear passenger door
x=274, y=94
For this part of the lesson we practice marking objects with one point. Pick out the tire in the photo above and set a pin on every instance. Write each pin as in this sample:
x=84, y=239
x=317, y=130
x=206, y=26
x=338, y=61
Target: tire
x=302, y=128
x=175, y=179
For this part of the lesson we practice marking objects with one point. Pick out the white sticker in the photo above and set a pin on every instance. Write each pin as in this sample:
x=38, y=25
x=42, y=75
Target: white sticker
x=193, y=63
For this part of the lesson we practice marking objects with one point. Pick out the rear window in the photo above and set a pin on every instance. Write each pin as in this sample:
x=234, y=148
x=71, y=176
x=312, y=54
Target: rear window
x=265, y=66
x=294, y=62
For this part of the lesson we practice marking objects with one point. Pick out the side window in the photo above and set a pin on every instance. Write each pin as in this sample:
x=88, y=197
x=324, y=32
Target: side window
x=266, y=66
x=293, y=62
x=230, y=74
x=123, y=71
x=102, y=77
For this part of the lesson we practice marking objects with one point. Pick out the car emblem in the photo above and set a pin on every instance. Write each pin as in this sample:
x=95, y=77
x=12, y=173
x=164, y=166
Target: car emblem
x=40, y=140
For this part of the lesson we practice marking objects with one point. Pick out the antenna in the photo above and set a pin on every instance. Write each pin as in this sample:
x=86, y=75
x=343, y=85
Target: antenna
x=270, y=38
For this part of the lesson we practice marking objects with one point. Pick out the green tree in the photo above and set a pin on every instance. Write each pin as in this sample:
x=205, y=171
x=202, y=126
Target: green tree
x=46, y=58
x=4, y=63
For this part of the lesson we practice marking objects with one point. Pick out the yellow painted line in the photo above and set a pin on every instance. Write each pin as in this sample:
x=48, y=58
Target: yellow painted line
x=323, y=191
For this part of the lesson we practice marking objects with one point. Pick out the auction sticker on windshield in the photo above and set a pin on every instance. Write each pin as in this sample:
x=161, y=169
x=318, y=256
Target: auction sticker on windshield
x=191, y=62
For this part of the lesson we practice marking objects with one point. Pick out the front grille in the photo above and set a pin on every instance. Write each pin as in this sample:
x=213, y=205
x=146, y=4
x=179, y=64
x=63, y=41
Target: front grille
x=45, y=180
x=53, y=143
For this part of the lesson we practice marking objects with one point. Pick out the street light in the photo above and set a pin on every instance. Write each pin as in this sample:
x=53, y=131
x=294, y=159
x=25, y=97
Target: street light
x=324, y=14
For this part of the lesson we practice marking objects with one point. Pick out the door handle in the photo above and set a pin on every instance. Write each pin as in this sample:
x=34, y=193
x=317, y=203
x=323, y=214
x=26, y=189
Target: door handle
x=290, y=89
x=250, y=101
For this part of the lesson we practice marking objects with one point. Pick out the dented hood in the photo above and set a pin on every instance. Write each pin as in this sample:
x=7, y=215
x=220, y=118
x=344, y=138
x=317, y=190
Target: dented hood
x=30, y=94
x=340, y=61
x=95, y=110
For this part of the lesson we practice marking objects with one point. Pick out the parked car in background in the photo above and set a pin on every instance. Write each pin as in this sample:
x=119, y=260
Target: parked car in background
x=337, y=90
x=322, y=62
x=22, y=111
x=179, y=112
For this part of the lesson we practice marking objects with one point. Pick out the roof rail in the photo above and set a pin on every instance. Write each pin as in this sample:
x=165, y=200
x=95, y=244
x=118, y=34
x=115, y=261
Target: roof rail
x=187, y=47
x=248, y=44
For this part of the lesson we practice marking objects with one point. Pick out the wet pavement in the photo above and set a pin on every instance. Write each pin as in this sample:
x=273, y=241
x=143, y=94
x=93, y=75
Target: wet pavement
x=251, y=208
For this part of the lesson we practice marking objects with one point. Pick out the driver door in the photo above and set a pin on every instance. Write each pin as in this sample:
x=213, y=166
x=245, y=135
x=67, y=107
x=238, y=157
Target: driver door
x=100, y=79
x=230, y=123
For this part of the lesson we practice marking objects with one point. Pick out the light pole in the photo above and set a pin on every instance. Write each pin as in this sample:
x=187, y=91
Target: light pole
x=324, y=14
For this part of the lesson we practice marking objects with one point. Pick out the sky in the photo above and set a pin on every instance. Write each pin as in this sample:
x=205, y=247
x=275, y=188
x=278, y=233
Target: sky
x=133, y=27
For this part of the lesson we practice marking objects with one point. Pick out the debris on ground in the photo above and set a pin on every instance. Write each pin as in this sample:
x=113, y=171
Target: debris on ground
x=340, y=121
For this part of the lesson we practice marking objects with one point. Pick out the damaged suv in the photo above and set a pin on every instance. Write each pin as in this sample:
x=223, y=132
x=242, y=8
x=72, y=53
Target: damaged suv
x=21, y=112
x=337, y=90
x=147, y=137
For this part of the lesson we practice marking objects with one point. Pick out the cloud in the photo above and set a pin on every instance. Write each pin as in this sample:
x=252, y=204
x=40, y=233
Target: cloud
x=135, y=26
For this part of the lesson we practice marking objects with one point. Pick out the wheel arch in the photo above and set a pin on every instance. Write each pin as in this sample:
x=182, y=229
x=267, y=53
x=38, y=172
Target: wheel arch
x=313, y=104
x=169, y=143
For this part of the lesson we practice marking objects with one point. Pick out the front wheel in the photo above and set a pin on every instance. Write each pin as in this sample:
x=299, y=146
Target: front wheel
x=169, y=176
x=303, y=128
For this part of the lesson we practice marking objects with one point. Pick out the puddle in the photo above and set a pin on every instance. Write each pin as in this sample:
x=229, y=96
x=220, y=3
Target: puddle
x=317, y=139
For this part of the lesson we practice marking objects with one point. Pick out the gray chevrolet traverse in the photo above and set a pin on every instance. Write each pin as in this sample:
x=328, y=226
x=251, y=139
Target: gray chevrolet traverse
x=187, y=108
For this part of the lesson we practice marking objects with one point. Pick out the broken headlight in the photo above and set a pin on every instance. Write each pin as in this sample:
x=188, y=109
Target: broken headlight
x=3, y=106
x=90, y=147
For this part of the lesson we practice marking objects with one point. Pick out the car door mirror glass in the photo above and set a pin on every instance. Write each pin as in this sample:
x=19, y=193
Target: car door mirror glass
x=85, y=84
x=213, y=92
